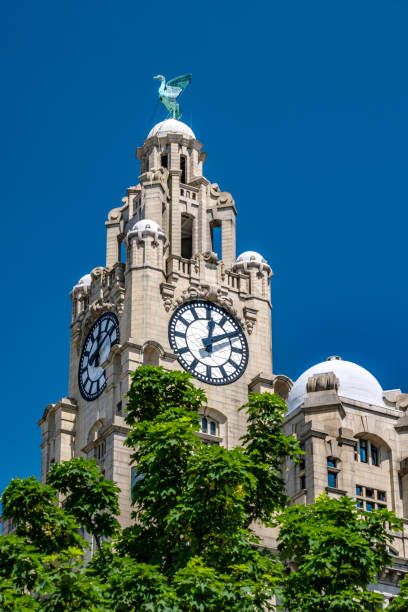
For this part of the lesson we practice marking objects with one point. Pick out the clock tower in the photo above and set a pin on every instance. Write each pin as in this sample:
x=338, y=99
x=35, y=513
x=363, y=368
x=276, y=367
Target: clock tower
x=167, y=297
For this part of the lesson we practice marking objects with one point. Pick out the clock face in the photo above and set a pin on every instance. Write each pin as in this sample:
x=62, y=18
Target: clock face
x=210, y=343
x=103, y=335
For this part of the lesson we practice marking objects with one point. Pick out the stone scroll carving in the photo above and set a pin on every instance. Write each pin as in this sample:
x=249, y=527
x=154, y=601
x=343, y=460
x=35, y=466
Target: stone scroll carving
x=208, y=292
x=223, y=197
x=211, y=293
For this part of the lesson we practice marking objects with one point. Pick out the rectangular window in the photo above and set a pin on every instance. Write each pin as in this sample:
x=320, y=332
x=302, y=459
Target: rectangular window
x=363, y=451
x=204, y=425
x=359, y=490
x=332, y=479
x=164, y=160
x=186, y=237
x=302, y=481
x=331, y=463
x=381, y=506
x=183, y=169
x=216, y=240
x=369, y=492
x=360, y=503
x=369, y=506
x=381, y=495
x=212, y=428
x=119, y=408
x=374, y=455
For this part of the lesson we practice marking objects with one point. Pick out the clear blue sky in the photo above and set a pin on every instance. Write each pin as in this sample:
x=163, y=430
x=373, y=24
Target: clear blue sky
x=302, y=108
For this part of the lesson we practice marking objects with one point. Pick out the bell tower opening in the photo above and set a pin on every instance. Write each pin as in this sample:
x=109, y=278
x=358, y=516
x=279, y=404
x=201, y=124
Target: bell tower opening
x=186, y=236
x=216, y=238
x=164, y=160
x=183, y=164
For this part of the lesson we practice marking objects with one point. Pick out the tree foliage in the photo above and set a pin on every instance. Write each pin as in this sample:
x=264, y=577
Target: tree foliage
x=192, y=546
x=336, y=551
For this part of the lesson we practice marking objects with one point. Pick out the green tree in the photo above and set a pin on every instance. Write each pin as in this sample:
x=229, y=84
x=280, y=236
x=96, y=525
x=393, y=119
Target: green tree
x=400, y=603
x=194, y=504
x=192, y=545
x=336, y=551
x=88, y=496
x=38, y=517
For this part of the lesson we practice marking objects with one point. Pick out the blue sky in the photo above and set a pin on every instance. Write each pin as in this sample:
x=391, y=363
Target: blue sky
x=302, y=108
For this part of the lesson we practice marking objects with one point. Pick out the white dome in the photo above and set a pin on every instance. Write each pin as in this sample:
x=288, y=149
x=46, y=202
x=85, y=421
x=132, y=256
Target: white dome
x=251, y=256
x=85, y=280
x=171, y=126
x=146, y=224
x=355, y=383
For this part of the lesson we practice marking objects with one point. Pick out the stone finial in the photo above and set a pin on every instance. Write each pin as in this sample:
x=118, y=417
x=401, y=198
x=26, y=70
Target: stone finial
x=322, y=382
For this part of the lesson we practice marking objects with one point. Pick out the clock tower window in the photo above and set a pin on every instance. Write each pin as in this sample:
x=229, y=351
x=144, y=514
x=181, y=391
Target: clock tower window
x=216, y=238
x=183, y=164
x=164, y=160
x=186, y=236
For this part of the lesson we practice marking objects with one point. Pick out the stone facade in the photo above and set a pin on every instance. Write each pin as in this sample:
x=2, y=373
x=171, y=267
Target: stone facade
x=165, y=229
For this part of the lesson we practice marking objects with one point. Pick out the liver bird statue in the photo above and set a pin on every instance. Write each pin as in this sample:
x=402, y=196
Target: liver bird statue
x=170, y=91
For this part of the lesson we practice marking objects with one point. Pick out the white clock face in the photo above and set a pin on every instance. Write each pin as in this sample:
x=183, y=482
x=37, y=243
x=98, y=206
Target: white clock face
x=98, y=343
x=210, y=343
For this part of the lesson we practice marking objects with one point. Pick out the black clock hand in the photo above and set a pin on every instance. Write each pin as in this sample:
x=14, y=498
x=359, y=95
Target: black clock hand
x=208, y=341
x=211, y=325
x=96, y=351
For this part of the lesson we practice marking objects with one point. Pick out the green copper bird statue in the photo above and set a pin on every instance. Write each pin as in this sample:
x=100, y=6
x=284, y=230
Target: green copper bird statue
x=170, y=91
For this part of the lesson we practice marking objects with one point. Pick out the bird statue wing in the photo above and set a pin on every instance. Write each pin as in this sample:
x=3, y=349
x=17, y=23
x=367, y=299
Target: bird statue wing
x=180, y=82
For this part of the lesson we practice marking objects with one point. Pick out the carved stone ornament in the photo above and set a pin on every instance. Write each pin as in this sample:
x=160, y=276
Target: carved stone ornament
x=250, y=318
x=86, y=319
x=156, y=177
x=210, y=257
x=223, y=197
x=167, y=293
x=322, y=382
x=208, y=292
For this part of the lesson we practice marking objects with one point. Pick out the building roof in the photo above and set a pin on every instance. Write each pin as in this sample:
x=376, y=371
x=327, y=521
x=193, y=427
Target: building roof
x=355, y=383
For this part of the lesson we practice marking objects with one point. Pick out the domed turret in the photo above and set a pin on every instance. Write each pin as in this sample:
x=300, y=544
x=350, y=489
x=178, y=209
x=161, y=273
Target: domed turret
x=171, y=126
x=250, y=259
x=144, y=228
x=355, y=383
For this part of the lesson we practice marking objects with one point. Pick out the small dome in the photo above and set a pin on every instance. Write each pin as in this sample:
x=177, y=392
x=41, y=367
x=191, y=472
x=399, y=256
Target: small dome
x=251, y=256
x=252, y=259
x=171, y=126
x=146, y=224
x=85, y=280
x=355, y=383
x=146, y=227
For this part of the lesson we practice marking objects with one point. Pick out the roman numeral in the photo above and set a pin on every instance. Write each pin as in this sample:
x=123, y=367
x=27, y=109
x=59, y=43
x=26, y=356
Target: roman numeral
x=222, y=321
x=223, y=372
x=236, y=350
x=194, y=313
x=179, y=334
x=208, y=371
x=183, y=320
x=234, y=365
x=208, y=313
x=193, y=364
x=183, y=350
